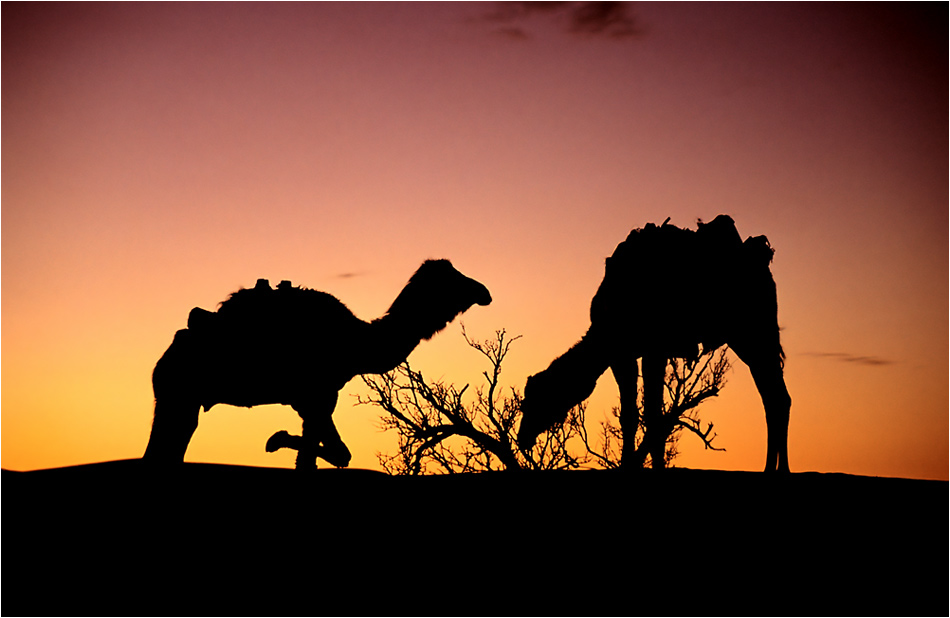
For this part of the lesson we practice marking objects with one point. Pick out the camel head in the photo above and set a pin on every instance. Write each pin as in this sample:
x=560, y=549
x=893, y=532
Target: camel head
x=567, y=382
x=435, y=295
x=545, y=404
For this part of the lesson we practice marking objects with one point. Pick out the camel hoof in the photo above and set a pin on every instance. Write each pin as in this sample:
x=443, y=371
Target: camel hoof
x=339, y=463
x=338, y=455
x=305, y=461
x=279, y=440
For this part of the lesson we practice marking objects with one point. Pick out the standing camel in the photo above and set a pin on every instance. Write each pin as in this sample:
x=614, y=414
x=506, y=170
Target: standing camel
x=665, y=291
x=296, y=347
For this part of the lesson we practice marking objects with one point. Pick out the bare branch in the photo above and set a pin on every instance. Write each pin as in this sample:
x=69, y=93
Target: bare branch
x=442, y=428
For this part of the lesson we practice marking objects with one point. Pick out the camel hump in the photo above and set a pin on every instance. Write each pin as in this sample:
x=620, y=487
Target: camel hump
x=285, y=307
x=200, y=318
x=721, y=231
x=245, y=298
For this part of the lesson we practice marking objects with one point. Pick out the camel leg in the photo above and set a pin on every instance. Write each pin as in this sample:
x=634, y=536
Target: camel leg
x=176, y=406
x=654, y=372
x=282, y=439
x=778, y=404
x=174, y=424
x=331, y=447
x=770, y=382
x=320, y=436
x=624, y=369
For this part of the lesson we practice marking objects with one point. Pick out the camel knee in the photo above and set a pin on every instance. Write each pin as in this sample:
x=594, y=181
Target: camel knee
x=781, y=405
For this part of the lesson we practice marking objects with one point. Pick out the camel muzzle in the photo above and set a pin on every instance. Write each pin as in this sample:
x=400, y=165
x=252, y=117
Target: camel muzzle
x=482, y=295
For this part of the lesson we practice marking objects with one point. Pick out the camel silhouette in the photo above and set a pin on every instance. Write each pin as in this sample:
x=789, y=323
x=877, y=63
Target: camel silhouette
x=298, y=347
x=665, y=292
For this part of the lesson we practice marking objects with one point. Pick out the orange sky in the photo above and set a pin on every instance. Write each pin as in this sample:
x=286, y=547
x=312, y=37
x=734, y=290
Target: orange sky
x=157, y=157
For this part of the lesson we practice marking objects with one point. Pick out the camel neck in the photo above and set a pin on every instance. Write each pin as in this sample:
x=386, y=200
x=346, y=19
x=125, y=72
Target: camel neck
x=581, y=365
x=389, y=341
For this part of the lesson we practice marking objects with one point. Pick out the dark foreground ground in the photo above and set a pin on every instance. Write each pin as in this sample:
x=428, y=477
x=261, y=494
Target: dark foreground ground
x=200, y=539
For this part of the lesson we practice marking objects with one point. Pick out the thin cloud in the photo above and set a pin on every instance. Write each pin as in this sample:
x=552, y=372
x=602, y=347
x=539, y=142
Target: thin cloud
x=594, y=19
x=606, y=18
x=348, y=275
x=509, y=11
x=513, y=32
x=872, y=361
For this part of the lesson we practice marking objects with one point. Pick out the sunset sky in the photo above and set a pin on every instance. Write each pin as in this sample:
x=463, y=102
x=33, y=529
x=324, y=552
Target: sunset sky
x=156, y=157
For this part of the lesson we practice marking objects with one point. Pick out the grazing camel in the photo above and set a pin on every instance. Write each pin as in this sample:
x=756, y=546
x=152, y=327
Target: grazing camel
x=296, y=347
x=665, y=291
